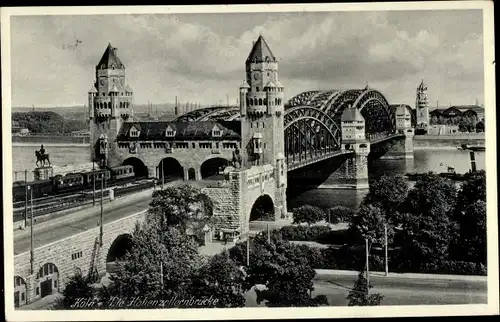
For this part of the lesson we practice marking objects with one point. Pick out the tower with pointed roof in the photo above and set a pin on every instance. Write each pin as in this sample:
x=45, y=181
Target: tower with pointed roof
x=261, y=107
x=422, y=106
x=262, y=117
x=110, y=101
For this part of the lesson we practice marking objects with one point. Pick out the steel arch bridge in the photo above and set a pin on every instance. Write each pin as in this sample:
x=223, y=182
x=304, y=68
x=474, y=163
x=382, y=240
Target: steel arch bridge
x=312, y=121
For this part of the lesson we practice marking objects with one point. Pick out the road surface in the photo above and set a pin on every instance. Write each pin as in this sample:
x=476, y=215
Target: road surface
x=399, y=290
x=80, y=221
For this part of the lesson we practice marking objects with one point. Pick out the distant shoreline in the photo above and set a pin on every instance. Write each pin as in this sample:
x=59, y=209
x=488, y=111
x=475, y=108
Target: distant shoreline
x=69, y=145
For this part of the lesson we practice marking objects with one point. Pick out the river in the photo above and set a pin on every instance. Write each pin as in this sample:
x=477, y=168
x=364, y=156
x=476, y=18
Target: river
x=434, y=159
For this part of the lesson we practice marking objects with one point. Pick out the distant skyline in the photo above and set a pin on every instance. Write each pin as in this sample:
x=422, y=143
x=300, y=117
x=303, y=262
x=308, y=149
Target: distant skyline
x=201, y=57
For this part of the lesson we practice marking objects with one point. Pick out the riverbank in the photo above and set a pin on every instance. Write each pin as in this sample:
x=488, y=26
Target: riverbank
x=447, y=141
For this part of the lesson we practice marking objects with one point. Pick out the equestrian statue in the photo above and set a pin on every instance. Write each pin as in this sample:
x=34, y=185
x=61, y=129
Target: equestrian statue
x=41, y=156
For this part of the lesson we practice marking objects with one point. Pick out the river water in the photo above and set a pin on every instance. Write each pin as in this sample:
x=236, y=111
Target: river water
x=429, y=159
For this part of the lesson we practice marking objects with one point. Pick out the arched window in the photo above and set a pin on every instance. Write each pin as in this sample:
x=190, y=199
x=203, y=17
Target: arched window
x=260, y=101
x=276, y=101
x=265, y=101
x=121, y=104
x=255, y=102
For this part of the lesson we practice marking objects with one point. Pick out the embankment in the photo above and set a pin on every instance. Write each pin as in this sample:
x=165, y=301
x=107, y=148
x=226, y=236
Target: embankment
x=447, y=141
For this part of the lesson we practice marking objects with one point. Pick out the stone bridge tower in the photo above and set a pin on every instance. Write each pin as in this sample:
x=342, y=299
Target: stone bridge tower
x=262, y=119
x=422, y=107
x=110, y=102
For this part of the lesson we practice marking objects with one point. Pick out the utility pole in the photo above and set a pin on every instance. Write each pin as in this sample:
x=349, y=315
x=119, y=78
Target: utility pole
x=32, y=253
x=25, y=197
x=102, y=197
x=162, y=176
x=386, y=257
x=367, y=266
x=161, y=275
x=93, y=183
x=248, y=250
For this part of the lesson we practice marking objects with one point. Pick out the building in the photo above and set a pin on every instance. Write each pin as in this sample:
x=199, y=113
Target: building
x=422, y=108
x=454, y=114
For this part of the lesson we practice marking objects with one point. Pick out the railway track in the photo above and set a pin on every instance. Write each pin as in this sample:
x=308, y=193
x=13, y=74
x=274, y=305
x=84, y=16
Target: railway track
x=47, y=205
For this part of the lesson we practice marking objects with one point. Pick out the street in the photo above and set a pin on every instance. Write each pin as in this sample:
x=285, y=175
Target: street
x=80, y=221
x=399, y=290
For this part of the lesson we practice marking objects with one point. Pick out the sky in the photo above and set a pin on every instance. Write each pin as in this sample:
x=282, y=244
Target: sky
x=201, y=57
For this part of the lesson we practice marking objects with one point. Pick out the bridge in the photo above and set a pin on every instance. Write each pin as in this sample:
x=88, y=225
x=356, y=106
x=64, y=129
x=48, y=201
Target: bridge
x=313, y=127
x=334, y=131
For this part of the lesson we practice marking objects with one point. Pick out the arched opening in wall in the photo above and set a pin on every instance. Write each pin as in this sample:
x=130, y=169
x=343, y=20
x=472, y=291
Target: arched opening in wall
x=48, y=280
x=262, y=209
x=140, y=169
x=191, y=174
x=119, y=248
x=169, y=169
x=20, y=295
x=213, y=168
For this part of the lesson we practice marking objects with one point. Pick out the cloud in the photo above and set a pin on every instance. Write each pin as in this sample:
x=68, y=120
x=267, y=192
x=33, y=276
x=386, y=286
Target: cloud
x=197, y=59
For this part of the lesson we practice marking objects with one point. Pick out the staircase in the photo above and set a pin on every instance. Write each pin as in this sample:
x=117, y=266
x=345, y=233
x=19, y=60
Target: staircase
x=94, y=264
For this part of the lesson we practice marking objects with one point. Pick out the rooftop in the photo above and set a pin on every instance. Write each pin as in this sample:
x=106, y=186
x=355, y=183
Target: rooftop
x=110, y=59
x=197, y=130
x=260, y=51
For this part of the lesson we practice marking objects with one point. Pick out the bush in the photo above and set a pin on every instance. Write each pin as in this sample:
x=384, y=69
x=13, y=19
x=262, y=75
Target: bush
x=455, y=267
x=339, y=214
x=308, y=214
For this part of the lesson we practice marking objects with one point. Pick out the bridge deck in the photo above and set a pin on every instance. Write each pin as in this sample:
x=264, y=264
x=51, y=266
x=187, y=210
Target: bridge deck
x=293, y=161
x=295, y=164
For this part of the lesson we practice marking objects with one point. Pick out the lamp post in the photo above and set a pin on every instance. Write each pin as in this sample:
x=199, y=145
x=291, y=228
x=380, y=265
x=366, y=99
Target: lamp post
x=386, y=257
x=100, y=228
x=32, y=254
x=93, y=183
x=367, y=266
x=25, y=197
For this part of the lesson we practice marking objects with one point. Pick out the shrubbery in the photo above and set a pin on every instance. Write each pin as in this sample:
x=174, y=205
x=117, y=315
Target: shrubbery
x=353, y=258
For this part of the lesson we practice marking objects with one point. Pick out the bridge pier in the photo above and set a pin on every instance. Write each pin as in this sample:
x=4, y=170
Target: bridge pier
x=399, y=149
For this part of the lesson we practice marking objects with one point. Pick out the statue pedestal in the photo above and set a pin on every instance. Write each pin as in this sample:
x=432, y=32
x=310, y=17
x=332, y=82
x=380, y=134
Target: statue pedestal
x=43, y=173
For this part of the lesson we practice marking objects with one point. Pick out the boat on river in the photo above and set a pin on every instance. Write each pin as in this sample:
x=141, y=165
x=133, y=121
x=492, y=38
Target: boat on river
x=472, y=147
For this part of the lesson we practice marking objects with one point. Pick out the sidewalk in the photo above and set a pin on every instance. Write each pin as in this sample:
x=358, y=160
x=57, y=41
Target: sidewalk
x=474, y=278
x=45, y=303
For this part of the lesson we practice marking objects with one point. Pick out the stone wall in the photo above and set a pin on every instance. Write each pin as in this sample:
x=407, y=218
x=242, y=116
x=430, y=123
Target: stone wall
x=71, y=254
x=187, y=157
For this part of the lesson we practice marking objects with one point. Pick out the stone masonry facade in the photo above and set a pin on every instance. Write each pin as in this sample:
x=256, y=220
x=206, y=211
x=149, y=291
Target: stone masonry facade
x=72, y=254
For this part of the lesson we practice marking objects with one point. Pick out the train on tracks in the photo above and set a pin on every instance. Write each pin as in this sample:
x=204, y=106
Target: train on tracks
x=72, y=182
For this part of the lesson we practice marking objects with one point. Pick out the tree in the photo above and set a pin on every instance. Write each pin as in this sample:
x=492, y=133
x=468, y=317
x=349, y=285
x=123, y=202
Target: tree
x=369, y=223
x=470, y=213
x=184, y=207
x=338, y=214
x=308, y=214
x=78, y=287
x=387, y=194
x=139, y=274
x=285, y=274
x=222, y=279
x=427, y=228
x=359, y=295
x=473, y=232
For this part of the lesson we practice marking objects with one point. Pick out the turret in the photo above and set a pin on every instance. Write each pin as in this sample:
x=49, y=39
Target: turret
x=92, y=94
x=244, y=87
